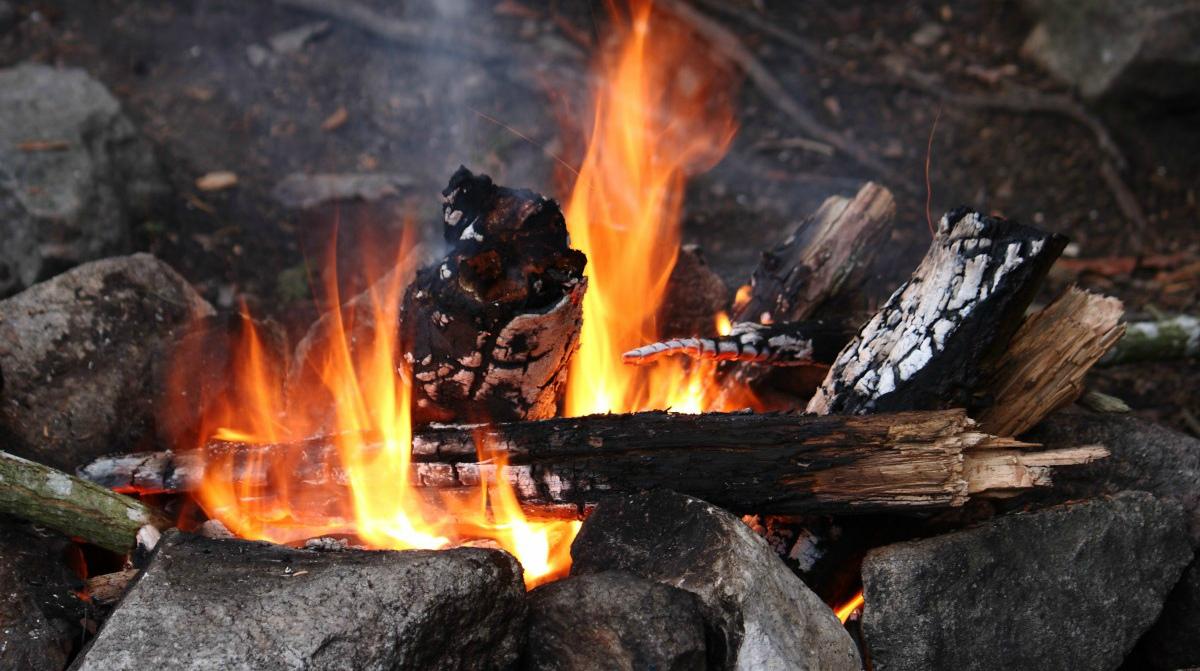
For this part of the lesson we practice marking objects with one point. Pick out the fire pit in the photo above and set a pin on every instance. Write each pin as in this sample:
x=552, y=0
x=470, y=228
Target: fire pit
x=553, y=435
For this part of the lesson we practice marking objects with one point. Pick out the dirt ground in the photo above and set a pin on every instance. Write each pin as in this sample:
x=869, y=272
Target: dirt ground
x=194, y=77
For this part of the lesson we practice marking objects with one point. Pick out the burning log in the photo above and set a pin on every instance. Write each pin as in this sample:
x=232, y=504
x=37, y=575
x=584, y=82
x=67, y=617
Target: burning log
x=787, y=344
x=1044, y=366
x=489, y=330
x=762, y=463
x=825, y=257
x=71, y=505
x=927, y=345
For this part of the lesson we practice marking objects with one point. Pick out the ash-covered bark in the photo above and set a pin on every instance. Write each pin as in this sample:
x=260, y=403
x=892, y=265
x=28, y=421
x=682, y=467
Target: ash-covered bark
x=787, y=344
x=925, y=347
x=489, y=329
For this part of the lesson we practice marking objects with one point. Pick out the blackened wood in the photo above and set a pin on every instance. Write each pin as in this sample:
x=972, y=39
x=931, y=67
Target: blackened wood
x=695, y=296
x=926, y=347
x=824, y=258
x=767, y=463
x=786, y=344
x=488, y=330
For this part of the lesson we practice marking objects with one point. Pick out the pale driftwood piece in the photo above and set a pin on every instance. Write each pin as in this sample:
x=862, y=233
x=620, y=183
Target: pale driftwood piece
x=71, y=505
x=108, y=588
x=763, y=463
x=1044, y=366
x=825, y=257
x=787, y=344
x=1162, y=340
x=489, y=330
x=926, y=347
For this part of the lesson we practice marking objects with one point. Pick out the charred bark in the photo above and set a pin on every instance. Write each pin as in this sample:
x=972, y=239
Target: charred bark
x=488, y=330
x=926, y=347
x=787, y=344
x=763, y=463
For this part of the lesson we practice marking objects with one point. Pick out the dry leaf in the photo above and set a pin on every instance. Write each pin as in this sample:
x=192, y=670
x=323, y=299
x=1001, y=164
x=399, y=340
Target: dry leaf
x=216, y=181
x=335, y=120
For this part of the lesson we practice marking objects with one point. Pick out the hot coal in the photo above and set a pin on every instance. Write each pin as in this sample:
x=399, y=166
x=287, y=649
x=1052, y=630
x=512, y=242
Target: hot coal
x=81, y=353
x=221, y=604
x=1071, y=587
x=765, y=616
x=614, y=620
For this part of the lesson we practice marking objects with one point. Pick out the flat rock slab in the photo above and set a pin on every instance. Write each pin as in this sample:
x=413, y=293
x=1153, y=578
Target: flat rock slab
x=766, y=617
x=614, y=620
x=78, y=171
x=233, y=604
x=1071, y=587
x=40, y=613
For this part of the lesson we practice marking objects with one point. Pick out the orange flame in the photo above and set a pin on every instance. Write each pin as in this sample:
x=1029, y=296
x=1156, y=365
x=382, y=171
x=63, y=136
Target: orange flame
x=848, y=609
x=661, y=112
x=276, y=497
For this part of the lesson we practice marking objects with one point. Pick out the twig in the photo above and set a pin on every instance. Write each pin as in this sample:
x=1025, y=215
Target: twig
x=732, y=48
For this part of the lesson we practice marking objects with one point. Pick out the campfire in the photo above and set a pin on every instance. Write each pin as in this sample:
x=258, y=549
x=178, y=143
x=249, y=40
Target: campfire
x=589, y=447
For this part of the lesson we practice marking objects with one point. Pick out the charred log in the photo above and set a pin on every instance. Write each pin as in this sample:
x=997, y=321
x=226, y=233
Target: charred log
x=929, y=343
x=695, y=296
x=825, y=258
x=488, y=330
x=787, y=344
x=763, y=463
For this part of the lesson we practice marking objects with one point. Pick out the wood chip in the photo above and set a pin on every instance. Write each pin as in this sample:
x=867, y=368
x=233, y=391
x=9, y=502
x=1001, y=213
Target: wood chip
x=217, y=181
x=31, y=146
x=336, y=120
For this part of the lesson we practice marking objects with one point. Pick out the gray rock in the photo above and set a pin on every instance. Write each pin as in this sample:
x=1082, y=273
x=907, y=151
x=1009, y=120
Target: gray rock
x=1144, y=456
x=80, y=171
x=39, y=614
x=766, y=617
x=1174, y=641
x=20, y=260
x=1071, y=587
x=79, y=355
x=233, y=604
x=1106, y=46
x=300, y=191
x=613, y=620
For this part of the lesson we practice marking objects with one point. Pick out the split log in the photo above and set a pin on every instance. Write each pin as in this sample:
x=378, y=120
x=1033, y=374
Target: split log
x=762, y=463
x=71, y=505
x=926, y=347
x=825, y=258
x=1044, y=366
x=1161, y=340
x=488, y=331
x=108, y=588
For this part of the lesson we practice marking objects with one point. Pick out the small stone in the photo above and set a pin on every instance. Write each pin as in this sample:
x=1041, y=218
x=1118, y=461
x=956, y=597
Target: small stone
x=764, y=616
x=258, y=55
x=927, y=35
x=613, y=620
x=291, y=41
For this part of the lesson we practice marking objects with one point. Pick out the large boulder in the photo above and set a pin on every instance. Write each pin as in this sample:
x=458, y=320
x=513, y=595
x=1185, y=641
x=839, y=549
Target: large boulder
x=78, y=173
x=1105, y=46
x=40, y=614
x=766, y=618
x=79, y=355
x=1143, y=456
x=231, y=604
x=1071, y=587
x=614, y=620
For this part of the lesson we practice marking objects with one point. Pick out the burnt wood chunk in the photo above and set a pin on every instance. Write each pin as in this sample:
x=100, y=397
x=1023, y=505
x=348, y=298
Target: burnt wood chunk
x=749, y=463
x=824, y=258
x=926, y=347
x=488, y=330
x=786, y=344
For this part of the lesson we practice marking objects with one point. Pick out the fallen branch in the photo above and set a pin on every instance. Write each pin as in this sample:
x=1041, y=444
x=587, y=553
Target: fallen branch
x=1045, y=363
x=770, y=464
x=71, y=505
x=1161, y=340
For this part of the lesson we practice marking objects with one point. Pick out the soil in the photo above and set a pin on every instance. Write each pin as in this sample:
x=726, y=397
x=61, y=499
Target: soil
x=200, y=80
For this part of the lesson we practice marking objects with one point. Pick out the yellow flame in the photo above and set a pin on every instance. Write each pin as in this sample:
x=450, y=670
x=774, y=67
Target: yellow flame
x=848, y=609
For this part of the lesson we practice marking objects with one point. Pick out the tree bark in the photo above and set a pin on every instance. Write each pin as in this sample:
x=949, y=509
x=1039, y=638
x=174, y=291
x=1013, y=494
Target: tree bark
x=769, y=464
x=1045, y=363
x=928, y=344
x=1162, y=340
x=73, y=506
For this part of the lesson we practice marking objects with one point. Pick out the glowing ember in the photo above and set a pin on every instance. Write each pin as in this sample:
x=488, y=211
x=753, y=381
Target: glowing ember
x=661, y=112
x=847, y=610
